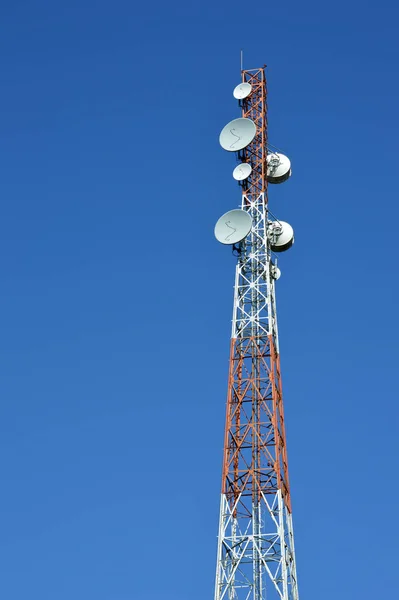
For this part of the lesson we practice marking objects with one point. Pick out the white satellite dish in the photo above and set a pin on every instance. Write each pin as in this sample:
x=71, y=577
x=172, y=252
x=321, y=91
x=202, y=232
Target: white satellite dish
x=233, y=226
x=281, y=235
x=242, y=171
x=276, y=273
x=237, y=134
x=242, y=91
x=278, y=167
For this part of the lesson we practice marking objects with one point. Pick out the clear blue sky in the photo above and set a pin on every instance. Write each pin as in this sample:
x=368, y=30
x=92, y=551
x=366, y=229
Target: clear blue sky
x=116, y=300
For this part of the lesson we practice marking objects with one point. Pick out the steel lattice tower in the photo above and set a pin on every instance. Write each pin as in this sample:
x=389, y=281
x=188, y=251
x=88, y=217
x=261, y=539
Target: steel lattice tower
x=256, y=556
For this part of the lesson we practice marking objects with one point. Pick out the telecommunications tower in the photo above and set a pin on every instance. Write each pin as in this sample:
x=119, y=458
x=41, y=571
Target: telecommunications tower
x=256, y=556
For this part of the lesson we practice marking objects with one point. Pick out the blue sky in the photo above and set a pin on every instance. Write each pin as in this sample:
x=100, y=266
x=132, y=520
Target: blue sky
x=116, y=300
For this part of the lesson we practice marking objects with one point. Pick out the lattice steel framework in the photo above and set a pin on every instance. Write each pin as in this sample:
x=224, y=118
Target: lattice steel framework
x=256, y=557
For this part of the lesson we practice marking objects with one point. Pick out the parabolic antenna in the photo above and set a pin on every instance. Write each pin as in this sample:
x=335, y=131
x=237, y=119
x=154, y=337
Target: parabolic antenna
x=242, y=171
x=233, y=226
x=281, y=235
x=276, y=273
x=242, y=90
x=237, y=134
x=278, y=168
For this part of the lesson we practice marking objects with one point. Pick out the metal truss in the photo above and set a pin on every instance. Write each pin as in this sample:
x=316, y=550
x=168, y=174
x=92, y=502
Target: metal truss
x=256, y=557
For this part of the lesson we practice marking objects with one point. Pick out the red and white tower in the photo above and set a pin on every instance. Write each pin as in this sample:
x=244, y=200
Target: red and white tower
x=256, y=555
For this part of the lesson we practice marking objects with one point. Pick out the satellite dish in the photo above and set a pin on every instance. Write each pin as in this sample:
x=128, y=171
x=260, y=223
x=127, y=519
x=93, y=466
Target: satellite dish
x=237, y=134
x=278, y=168
x=281, y=235
x=233, y=226
x=242, y=171
x=276, y=273
x=242, y=90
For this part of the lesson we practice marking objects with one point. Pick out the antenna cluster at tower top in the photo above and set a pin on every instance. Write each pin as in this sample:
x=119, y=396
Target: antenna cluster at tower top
x=233, y=227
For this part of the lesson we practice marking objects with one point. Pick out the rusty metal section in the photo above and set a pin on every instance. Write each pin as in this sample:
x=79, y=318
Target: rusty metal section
x=255, y=454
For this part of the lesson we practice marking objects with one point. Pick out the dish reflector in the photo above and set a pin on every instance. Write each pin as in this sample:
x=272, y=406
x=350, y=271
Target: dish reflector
x=276, y=273
x=278, y=168
x=237, y=134
x=233, y=226
x=242, y=171
x=281, y=235
x=242, y=90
